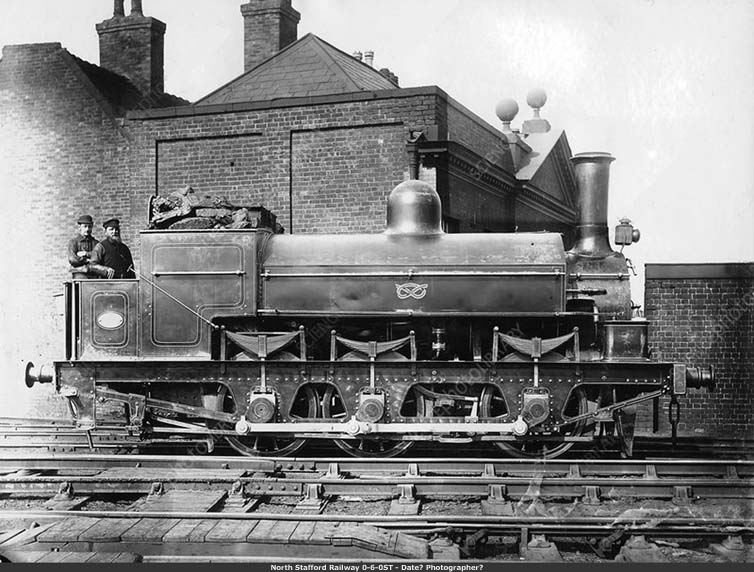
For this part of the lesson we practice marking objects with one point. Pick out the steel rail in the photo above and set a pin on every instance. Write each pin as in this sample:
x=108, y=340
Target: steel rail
x=419, y=465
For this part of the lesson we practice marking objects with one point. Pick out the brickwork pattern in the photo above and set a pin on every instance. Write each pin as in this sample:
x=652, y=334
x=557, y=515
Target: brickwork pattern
x=134, y=47
x=328, y=165
x=221, y=166
x=470, y=130
x=269, y=26
x=707, y=322
x=62, y=156
x=351, y=149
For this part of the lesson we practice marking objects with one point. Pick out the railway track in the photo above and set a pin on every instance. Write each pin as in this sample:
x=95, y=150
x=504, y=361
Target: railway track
x=409, y=508
x=62, y=436
x=654, y=478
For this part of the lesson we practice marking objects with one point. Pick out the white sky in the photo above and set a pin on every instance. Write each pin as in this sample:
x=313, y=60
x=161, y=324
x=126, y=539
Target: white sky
x=666, y=86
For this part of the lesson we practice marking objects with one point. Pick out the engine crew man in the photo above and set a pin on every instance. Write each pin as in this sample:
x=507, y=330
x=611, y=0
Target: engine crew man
x=110, y=257
x=80, y=248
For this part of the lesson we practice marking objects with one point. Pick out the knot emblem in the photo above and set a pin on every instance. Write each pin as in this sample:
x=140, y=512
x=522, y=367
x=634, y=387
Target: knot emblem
x=411, y=290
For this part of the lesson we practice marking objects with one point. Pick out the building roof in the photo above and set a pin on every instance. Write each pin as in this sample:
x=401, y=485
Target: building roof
x=541, y=145
x=121, y=93
x=116, y=93
x=307, y=67
x=547, y=166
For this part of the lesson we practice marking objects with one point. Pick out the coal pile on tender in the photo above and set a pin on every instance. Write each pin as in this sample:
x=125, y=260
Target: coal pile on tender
x=184, y=209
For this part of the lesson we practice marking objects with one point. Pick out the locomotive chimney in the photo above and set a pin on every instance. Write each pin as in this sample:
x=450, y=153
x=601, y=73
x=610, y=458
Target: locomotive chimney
x=413, y=208
x=592, y=171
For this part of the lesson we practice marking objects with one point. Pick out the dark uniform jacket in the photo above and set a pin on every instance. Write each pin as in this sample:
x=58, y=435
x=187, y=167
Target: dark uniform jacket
x=77, y=243
x=116, y=255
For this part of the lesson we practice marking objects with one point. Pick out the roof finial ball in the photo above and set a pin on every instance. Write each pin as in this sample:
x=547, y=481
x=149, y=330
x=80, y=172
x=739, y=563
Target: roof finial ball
x=536, y=99
x=506, y=109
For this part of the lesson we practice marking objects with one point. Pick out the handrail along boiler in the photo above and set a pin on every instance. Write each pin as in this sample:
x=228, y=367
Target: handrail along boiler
x=375, y=341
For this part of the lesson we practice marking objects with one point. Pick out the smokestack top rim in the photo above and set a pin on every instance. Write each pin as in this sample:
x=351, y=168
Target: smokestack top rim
x=592, y=157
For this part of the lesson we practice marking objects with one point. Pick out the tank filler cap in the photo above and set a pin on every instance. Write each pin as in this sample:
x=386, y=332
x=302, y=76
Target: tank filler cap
x=414, y=208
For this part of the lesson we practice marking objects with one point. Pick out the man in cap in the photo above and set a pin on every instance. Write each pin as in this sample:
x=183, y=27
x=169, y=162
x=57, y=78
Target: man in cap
x=110, y=257
x=80, y=248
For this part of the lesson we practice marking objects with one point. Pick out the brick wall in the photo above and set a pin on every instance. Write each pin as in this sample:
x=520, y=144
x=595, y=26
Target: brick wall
x=62, y=156
x=329, y=165
x=337, y=158
x=703, y=314
x=231, y=166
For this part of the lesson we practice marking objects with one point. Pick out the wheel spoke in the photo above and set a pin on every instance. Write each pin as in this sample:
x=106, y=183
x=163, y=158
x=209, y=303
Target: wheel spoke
x=306, y=405
x=530, y=446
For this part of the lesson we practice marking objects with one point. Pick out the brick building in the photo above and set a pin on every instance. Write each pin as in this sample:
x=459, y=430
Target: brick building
x=704, y=314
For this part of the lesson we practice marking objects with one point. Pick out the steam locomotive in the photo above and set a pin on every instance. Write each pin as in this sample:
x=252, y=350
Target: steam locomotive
x=372, y=341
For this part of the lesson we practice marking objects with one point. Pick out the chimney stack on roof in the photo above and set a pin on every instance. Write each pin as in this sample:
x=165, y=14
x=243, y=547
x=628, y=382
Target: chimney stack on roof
x=369, y=58
x=385, y=72
x=134, y=46
x=357, y=54
x=269, y=26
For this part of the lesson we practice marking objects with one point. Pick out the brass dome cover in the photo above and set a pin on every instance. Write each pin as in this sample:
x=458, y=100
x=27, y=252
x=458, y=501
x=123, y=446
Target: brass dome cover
x=413, y=208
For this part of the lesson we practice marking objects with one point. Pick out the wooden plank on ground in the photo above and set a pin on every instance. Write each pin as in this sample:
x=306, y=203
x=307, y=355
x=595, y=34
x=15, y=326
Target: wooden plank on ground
x=114, y=557
x=231, y=531
x=67, y=530
x=23, y=556
x=407, y=546
x=303, y=532
x=259, y=533
x=180, y=532
x=149, y=530
x=182, y=501
x=323, y=532
x=8, y=535
x=64, y=556
x=370, y=537
x=200, y=532
x=107, y=530
x=26, y=536
x=282, y=531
